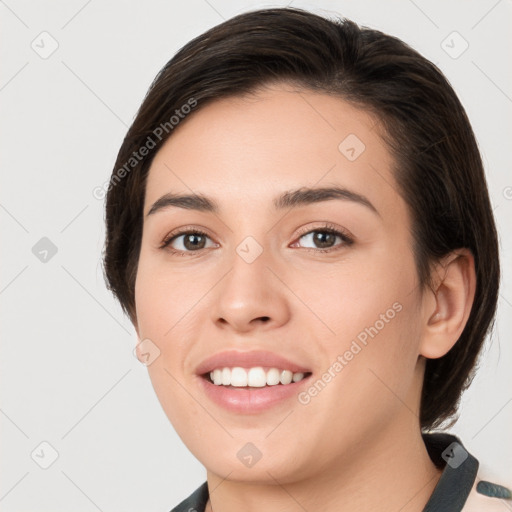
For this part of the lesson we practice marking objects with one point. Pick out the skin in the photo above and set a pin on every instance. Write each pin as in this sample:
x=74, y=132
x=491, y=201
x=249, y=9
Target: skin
x=357, y=444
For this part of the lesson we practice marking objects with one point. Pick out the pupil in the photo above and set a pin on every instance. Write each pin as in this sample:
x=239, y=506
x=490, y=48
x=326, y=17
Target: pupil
x=189, y=244
x=321, y=236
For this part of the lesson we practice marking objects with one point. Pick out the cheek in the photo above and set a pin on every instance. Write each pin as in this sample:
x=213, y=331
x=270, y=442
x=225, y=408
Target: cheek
x=162, y=297
x=369, y=376
x=372, y=323
x=363, y=297
x=162, y=305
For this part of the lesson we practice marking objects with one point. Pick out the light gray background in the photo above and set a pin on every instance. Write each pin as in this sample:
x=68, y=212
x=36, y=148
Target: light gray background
x=68, y=374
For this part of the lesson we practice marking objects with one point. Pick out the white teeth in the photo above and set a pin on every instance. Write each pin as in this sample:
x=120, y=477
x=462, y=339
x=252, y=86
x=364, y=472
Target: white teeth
x=238, y=377
x=217, y=376
x=272, y=377
x=286, y=377
x=255, y=377
x=226, y=377
x=297, y=376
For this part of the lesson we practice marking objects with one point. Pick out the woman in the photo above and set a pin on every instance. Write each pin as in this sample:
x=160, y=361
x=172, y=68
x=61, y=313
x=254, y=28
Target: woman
x=299, y=227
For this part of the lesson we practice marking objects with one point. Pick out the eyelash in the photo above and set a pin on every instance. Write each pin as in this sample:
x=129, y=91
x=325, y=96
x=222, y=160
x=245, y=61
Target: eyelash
x=327, y=228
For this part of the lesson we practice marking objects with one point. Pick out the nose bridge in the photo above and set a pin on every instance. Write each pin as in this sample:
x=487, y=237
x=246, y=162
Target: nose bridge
x=248, y=279
x=250, y=291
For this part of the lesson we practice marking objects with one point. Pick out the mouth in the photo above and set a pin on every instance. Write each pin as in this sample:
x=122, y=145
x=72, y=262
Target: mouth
x=252, y=391
x=250, y=382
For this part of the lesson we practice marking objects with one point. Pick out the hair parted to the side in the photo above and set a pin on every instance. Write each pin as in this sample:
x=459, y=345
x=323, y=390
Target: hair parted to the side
x=438, y=168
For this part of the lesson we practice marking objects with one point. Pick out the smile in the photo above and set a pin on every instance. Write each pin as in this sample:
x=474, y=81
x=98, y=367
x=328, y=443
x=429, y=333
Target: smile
x=256, y=377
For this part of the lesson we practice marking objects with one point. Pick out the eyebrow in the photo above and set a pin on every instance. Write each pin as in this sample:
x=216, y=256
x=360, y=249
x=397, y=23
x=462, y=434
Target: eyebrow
x=289, y=199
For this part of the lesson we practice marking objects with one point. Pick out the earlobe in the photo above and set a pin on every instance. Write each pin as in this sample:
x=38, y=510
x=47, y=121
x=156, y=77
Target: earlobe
x=447, y=309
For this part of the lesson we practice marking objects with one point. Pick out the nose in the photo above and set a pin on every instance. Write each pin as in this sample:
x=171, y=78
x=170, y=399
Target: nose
x=251, y=296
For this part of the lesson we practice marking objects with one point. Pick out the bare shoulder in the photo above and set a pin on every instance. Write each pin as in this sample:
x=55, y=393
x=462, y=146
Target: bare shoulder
x=477, y=502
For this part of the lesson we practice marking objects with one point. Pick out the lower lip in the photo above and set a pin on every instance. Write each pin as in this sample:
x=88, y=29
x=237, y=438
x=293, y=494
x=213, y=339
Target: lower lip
x=251, y=400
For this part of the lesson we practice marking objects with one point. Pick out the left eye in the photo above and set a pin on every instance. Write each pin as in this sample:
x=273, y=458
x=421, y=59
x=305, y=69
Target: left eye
x=324, y=239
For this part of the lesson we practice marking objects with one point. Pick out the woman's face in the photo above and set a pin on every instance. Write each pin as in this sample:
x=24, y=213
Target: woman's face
x=326, y=282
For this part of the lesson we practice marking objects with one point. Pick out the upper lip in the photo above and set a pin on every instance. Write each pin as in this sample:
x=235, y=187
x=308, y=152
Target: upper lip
x=232, y=358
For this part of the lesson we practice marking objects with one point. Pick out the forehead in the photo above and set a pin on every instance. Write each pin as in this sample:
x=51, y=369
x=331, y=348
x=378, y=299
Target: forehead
x=251, y=147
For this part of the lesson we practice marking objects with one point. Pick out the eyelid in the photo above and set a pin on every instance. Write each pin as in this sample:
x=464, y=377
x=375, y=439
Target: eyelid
x=329, y=227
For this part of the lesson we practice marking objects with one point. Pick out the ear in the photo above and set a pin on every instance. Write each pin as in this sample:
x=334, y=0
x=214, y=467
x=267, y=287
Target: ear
x=446, y=307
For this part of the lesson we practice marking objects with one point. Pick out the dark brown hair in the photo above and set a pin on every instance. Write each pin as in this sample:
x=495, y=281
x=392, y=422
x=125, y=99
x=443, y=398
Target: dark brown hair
x=438, y=167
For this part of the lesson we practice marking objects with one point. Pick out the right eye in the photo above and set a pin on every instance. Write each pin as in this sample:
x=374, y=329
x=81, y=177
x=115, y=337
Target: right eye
x=185, y=241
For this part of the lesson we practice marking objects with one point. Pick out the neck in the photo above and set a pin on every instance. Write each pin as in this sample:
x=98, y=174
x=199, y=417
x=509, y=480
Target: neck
x=392, y=471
